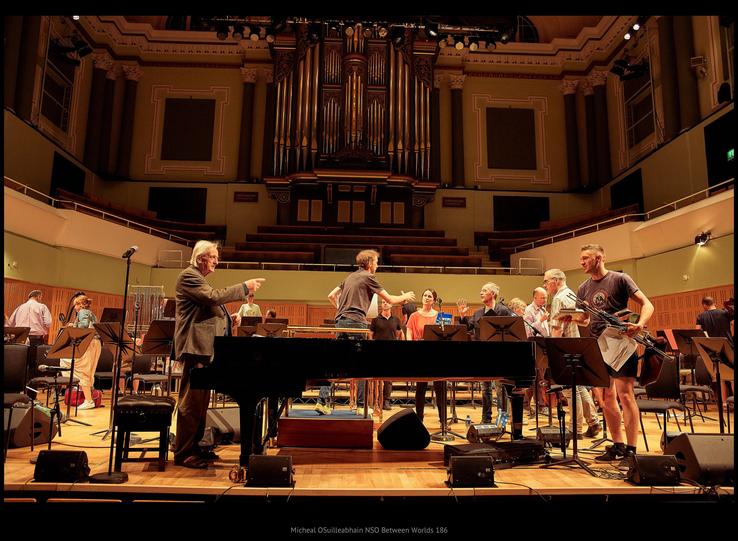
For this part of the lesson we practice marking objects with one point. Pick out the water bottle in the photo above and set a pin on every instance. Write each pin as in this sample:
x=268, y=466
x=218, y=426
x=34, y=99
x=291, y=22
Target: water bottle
x=468, y=421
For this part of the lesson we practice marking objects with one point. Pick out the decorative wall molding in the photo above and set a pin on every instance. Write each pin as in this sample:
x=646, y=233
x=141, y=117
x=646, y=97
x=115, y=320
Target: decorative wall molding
x=569, y=86
x=154, y=165
x=133, y=73
x=249, y=75
x=482, y=173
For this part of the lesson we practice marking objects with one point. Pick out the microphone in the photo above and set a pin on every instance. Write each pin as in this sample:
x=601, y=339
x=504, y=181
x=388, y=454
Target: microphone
x=46, y=368
x=128, y=253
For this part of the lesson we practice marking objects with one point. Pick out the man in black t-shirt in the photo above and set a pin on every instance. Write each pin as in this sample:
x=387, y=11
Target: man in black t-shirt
x=386, y=327
x=714, y=321
x=609, y=291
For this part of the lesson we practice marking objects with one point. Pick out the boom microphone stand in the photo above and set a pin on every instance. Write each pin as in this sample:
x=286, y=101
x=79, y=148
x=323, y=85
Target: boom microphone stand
x=111, y=477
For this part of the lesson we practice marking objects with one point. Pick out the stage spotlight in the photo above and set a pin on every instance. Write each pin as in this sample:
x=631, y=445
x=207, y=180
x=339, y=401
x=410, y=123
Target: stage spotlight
x=75, y=17
x=254, y=36
x=382, y=32
x=459, y=45
x=636, y=27
x=473, y=46
x=505, y=37
x=702, y=239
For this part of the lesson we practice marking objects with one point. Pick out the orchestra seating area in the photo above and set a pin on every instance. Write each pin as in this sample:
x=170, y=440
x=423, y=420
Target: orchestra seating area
x=501, y=244
x=315, y=244
x=96, y=206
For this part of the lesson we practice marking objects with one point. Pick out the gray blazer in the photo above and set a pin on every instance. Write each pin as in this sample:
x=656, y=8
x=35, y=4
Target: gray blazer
x=200, y=314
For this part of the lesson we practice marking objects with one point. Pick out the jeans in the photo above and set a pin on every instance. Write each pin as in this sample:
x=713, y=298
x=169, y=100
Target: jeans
x=502, y=404
x=345, y=323
x=586, y=408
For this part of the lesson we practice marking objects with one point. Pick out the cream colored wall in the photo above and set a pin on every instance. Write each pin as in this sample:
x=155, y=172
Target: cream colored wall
x=201, y=82
x=706, y=30
x=27, y=155
x=32, y=261
x=479, y=214
x=519, y=92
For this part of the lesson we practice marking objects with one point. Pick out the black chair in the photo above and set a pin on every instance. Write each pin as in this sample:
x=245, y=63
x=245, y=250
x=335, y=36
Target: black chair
x=663, y=396
x=49, y=383
x=15, y=363
x=104, y=370
x=142, y=414
x=145, y=372
x=702, y=384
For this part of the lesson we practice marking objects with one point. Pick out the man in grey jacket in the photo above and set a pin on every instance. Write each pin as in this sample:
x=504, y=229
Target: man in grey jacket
x=200, y=317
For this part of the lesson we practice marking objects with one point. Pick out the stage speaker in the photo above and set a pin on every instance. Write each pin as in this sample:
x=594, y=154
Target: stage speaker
x=484, y=433
x=552, y=435
x=270, y=471
x=660, y=470
x=20, y=429
x=227, y=421
x=471, y=471
x=61, y=467
x=706, y=459
x=403, y=431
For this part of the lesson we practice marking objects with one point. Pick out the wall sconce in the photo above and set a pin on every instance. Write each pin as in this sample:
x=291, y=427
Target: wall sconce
x=702, y=239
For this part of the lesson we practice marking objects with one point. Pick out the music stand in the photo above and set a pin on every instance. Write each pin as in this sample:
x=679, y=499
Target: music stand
x=72, y=342
x=541, y=364
x=158, y=341
x=573, y=362
x=272, y=330
x=717, y=354
x=683, y=339
x=501, y=329
x=244, y=330
x=111, y=338
x=111, y=315
x=445, y=333
x=16, y=335
x=284, y=320
x=251, y=321
x=170, y=308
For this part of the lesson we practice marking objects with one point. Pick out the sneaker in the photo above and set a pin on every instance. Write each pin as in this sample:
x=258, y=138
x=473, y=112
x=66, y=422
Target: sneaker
x=322, y=409
x=612, y=452
x=86, y=405
x=593, y=430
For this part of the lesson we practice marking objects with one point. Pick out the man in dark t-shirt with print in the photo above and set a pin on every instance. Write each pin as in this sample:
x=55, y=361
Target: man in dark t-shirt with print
x=386, y=327
x=609, y=291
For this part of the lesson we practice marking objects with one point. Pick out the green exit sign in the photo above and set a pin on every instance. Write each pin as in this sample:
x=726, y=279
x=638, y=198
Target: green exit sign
x=731, y=154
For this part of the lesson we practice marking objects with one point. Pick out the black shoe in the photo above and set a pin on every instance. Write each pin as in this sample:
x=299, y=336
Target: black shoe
x=593, y=430
x=209, y=455
x=627, y=460
x=612, y=452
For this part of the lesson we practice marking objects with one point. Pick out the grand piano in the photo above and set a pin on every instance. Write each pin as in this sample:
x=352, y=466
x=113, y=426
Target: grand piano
x=250, y=369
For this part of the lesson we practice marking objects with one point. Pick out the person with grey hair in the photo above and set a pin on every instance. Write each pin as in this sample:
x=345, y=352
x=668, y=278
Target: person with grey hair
x=554, y=280
x=36, y=316
x=488, y=295
x=200, y=316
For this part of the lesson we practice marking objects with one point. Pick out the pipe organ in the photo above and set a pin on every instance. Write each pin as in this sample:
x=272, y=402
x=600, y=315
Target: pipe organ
x=348, y=98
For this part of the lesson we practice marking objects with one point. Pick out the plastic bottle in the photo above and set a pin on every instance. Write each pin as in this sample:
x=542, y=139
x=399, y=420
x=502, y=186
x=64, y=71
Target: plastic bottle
x=468, y=421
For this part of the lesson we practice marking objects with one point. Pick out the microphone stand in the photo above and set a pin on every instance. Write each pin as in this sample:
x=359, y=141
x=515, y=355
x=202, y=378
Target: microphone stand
x=535, y=377
x=111, y=477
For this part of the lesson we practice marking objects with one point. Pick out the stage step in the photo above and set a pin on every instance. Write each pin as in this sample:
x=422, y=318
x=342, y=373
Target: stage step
x=342, y=429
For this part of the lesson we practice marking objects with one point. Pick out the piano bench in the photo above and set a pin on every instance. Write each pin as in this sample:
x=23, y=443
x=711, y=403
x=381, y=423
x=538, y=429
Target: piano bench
x=144, y=414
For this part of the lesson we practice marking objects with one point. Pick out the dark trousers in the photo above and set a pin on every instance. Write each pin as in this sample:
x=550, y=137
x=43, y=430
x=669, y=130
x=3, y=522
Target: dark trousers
x=440, y=389
x=192, y=412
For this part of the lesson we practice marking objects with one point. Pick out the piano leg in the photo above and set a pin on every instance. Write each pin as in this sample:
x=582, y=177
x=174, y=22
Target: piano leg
x=250, y=440
x=516, y=399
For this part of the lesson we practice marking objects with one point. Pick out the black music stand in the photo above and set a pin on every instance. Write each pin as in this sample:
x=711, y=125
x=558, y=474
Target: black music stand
x=170, y=309
x=445, y=333
x=251, y=321
x=271, y=330
x=541, y=363
x=505, y=329
x=717, y=354
x=72, y=342
x=158, y=341
x=111, y=338
x=244, y=330
x=111, y=315
x=685, y=346
x=573, y=362
x=284, y=320
x=16, y=335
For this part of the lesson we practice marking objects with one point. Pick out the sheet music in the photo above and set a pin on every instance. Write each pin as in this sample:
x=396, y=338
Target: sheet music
x=373, y=307
x=616, y=347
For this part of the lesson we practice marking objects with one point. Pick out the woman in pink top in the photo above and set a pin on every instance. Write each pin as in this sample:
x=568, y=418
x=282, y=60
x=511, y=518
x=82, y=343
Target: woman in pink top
x=415, y=324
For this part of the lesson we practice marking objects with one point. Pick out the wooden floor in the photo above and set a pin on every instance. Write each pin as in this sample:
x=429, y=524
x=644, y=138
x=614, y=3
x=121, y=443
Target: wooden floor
x=330, y=472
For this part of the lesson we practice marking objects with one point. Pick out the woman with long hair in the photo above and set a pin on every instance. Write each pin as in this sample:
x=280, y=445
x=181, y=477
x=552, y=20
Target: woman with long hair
x=85, y=366
x=417, y=321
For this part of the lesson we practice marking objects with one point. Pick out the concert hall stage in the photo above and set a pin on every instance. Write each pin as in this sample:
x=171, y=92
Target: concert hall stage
x=371, y=478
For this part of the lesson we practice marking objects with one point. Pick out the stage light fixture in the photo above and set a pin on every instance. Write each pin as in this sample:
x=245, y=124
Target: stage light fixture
x=75, y=17
x=626, y=37
x=636, y=27
x=382, y=32
x=459, y=45
x=254, y=36
x=505, y=37
x=702, y=239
